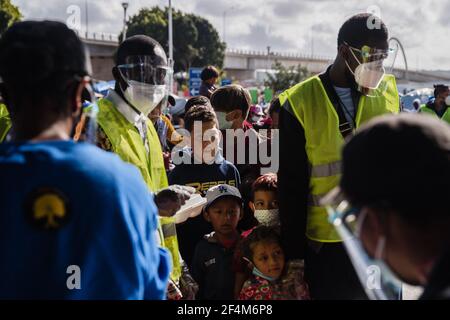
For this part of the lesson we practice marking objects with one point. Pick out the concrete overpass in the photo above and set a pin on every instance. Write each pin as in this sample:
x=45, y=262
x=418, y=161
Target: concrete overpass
x=240, y=64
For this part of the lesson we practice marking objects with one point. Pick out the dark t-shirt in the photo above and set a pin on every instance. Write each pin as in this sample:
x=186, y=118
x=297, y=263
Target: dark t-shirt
x=211, y=269
x=201, y=177
x=207, y=89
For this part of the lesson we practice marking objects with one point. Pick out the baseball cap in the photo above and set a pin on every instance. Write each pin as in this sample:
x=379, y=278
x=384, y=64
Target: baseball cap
x=220, y=191
x=171, y=100
x=401, y=160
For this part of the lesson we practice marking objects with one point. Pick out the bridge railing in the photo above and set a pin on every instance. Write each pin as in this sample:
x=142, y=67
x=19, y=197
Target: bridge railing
x=98, y=36
x=275, y=54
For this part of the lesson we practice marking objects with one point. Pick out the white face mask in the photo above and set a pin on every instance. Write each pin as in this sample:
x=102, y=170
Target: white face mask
x=256, y=119
x=144, y=97
x=269, y=218
x=223, y=122
x=368, y=75
x=447, y=101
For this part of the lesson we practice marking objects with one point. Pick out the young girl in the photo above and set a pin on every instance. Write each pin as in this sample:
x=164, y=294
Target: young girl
x=264, y=207
x=272, y=277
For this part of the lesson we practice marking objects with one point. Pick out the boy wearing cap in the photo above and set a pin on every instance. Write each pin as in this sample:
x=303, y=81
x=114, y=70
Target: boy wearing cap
x=213, y=255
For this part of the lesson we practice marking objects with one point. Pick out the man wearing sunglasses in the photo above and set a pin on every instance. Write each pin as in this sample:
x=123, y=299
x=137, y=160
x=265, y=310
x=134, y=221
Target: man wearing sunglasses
x=319, y=114
x=390, y=232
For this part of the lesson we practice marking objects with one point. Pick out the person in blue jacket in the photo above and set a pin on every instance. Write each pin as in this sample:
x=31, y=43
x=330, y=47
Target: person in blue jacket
x=76, y=222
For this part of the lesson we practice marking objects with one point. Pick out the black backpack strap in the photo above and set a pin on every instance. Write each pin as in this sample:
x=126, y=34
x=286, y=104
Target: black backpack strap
x=345, y=127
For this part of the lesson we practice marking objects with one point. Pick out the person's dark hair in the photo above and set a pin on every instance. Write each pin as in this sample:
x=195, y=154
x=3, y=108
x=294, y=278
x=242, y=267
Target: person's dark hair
x=391, y=159
x=259, y=234
x=439, y=88
x=274, y=106
x=362, y=28
x=141, y=45
x=203, y=113
x=209, y=72
x=41, y=61
x=196, y=101
x=231, y=97
x=266, y=182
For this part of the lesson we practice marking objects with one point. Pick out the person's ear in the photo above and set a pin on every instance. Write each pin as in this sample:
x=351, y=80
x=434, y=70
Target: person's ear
x=343, y=51
x=252, y=206
x=241, y=213
x=78, y=103
x=372, y=229
x=237, y=115
x=118, y=77
x=206, y=215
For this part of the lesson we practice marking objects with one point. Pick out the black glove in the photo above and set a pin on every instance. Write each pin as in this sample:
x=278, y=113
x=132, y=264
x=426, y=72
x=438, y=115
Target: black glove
x=170, y=200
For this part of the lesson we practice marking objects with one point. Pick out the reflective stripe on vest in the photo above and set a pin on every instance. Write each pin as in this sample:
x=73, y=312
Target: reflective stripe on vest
x=5, y=122
x=127, y=143
x=428, y=110
x=325, y=170
x=309, y=103
x=171, y=243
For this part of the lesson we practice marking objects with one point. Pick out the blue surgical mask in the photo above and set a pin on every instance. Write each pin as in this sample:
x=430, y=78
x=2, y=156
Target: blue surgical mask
x=258, y=273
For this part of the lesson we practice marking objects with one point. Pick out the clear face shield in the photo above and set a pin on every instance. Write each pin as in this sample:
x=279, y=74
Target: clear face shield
x=147, y=83
x=373, y=64
x=376, y=278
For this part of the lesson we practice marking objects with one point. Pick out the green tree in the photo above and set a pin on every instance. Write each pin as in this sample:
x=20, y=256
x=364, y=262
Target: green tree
x=284, y=78
x=211, y=49
x=196, y=42
x=9, y=14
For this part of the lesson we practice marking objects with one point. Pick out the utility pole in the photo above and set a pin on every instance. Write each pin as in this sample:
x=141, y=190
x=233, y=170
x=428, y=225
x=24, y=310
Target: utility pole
x=224, y=22
x=125, y=7
x=87, y=18
x=170, y=32
x=171, y=61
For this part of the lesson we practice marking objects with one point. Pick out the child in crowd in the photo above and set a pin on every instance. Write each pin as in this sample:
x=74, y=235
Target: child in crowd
x=272, y=277
x=211, y=267
x=203, y=167
x=209, y=76
x=232, y=104
x=265, y=200
x=264, y=205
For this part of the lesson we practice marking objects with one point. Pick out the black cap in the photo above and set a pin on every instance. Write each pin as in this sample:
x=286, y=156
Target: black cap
x=402, y=160
x=141, y=45
x=41, y=53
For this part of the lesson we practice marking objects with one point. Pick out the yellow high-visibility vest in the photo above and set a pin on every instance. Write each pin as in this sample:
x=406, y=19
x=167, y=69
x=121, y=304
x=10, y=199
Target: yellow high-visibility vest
x=5, y=122
x=310, y=104
x=127, y=143
x=446, y=116
x=169, y=232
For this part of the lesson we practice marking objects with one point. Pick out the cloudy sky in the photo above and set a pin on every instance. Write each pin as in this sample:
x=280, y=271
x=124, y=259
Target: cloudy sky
x=305, y=26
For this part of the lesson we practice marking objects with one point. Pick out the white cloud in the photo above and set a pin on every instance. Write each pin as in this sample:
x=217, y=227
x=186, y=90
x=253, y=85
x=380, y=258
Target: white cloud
x=284, y=25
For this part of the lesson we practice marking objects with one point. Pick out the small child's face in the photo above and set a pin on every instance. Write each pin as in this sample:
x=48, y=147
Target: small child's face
x=264, y=200
x=224, y=215
x=205, y=151
x=268, y=257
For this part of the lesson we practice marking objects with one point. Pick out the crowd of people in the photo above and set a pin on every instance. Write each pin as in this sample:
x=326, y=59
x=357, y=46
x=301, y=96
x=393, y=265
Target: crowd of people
x=349, y=169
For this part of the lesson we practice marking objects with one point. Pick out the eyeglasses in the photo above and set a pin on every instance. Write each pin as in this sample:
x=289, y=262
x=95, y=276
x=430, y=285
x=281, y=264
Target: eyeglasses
x=350, y=217
x=369, y=54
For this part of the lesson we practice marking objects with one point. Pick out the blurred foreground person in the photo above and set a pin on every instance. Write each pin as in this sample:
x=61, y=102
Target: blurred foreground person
x=75, y=222
x=392, y=233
